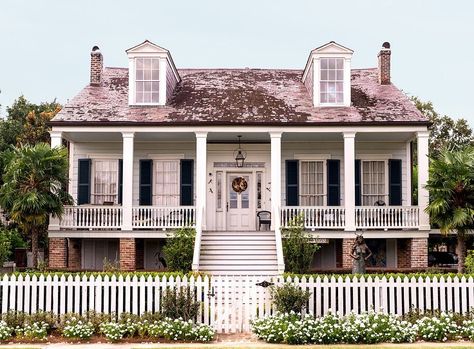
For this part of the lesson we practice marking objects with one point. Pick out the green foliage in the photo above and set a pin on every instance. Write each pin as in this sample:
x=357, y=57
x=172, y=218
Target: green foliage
x=10, y=239
x=470, y=262
x=451, y=186
x=178, y=329
x=290, y=298
x=298, y=247
x=179, y=250
x=76, y=326
x=445, y=132
x=5, y=331
x=34, y=182
x=180, y=304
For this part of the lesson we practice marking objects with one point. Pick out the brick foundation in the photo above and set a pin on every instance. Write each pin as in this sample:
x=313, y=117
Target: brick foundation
x=346, y=251
x=419, y=253
x=75, y=248
x=57, y=253
x=412, y=253
x=127, y=254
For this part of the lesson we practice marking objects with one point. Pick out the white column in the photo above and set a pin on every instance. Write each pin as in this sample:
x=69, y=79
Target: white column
x=56, y=138
x=275, y=140
x=408, y=193
x=127, y=186
x=423, y=174
x=349, y=180
x=201, y=185
x=56, y=141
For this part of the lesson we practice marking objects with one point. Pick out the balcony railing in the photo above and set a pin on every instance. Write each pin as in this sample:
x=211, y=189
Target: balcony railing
x=152, y=217
x=92, y=217
x=314, y=217
x=386, y=217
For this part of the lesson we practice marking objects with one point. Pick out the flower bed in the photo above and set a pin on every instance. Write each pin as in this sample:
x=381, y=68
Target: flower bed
x=38, y=327
x=367, y=328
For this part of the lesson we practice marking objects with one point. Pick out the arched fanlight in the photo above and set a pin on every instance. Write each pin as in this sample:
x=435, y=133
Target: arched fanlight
x=240, y=155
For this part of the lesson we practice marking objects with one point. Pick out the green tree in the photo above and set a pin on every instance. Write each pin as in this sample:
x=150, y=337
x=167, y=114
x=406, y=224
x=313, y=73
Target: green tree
x=451, y=186
x=34, y=178
x=445, y=132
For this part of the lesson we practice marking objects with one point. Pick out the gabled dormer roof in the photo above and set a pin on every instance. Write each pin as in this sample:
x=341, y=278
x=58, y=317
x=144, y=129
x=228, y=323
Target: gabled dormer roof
x=149, y=49
x=331, y=48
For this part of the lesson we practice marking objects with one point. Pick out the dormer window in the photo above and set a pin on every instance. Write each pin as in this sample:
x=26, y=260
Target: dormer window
x=152, y=75
x=327, y=75
x=147, y=82
x=332, y=81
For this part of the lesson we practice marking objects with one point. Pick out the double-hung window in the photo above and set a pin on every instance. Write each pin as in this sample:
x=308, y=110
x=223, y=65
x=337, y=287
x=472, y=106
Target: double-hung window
x=373, y=183
x=105, y=186
x=312, y=183
x=166, y=188
x=332, y=81
x=147, y=80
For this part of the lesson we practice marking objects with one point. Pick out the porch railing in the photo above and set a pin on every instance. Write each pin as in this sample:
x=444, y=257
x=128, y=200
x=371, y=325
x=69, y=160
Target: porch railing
x=385, y=217
x=314, y=217
x=152, y=217
x=92, y=217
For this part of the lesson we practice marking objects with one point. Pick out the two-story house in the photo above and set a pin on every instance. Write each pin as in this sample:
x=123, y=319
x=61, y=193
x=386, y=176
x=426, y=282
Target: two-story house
x=153, y=148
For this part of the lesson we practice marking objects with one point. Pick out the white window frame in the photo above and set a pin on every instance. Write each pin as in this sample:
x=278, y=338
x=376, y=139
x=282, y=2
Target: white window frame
x=300, y=181
x=93, y=173
x=135, y=81
x=371, y=159
x=155, y=176
x=343, y=81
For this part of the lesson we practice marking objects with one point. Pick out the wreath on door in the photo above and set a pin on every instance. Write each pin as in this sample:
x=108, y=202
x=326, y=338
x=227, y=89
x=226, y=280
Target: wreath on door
x=239, y=184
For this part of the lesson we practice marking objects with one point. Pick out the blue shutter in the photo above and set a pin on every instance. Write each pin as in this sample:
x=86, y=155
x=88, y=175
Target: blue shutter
x=120, y=177
x=84, y=182
x=334, y=182
x=187, y=179
x=145, y=196
x=358, y=193
x=292, y=195
x=395, y=182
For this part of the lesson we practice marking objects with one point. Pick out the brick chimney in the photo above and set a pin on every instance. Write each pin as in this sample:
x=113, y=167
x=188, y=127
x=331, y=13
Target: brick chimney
x=384, y=64
x=96, y=66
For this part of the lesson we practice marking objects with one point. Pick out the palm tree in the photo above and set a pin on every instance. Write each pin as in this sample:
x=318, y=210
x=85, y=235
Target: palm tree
x=34, y=180
x=451, y=187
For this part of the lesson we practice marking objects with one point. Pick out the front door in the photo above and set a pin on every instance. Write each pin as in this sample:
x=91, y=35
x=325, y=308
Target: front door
x=239, y=202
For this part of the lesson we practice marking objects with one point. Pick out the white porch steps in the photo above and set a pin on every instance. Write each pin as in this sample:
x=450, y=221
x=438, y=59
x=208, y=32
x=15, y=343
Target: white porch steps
x=238, y=253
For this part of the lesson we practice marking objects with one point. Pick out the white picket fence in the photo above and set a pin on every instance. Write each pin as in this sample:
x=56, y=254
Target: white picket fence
x=229, y=303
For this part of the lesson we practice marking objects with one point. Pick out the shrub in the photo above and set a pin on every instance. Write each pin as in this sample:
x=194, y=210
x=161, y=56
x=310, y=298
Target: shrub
x=442, y=328
x=97, y=319
x=113, y=331
x=13, y=318
x=468, y=329
x=178, y=329
x=180, y=304
x=179, y=250
x=298, y=248
x=35, y=330
x=469, y=262
x=77, y=327
x=290, y=298
x=45, y=317
x=5, y=331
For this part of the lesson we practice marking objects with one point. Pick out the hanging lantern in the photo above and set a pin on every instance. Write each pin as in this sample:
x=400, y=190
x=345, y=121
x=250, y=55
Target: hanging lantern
x=240, y=155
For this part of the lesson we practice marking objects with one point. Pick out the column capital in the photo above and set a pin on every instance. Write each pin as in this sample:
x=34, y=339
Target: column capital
x=201, y=134
x=128, y=134
x=423, y=134
x=275, y=134
x=349, y=134
x=54, y=134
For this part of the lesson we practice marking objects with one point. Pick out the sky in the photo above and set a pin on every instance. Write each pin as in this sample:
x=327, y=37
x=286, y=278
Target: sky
x=45, y=45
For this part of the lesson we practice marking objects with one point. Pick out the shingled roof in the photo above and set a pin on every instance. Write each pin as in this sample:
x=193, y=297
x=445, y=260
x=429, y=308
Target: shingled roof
x=240, y=96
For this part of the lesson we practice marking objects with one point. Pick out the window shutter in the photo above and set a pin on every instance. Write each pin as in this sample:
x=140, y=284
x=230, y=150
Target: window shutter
x=120, y=178
x=186, y=185
x=292, y=194
x=84, y=182
x=358, y=193
x=395, y=182
x=334, y=183
x=146, y=180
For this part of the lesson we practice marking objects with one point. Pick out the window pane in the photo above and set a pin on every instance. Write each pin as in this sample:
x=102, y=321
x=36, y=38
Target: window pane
x=139, y=75
x=139, y=86
x=155, y=64
x=147, y=86
x=324, y=74
x=331, y=98
x=339, y=98
x=147, y=75
x=331, y=87
x=154, y=97
x=340, y=63
x=323, y=86
x=339, y=86
x=340, y=75
x=147, y=97
x=146, y=63
x=332, y=75
x=155, y=86
x=324, y=98
x=139, y=63
x=139, y=97
x=166, y=183
x=155, y=74
x=332, y=63
x=219, y=189
x=324, y=63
